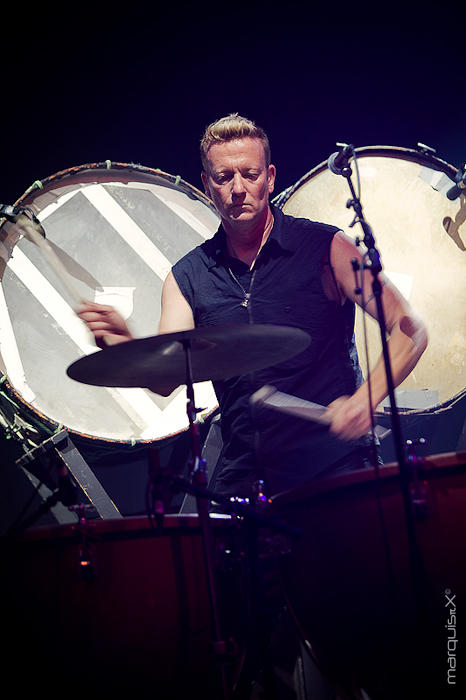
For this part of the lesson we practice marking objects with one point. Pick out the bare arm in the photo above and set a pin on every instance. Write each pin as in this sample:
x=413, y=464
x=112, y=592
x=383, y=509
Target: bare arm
x=407, y=341
x=108, y=326
x=176, y=313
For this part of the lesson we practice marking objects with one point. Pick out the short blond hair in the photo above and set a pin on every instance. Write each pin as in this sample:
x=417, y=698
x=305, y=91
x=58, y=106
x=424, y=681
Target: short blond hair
x=232, y=127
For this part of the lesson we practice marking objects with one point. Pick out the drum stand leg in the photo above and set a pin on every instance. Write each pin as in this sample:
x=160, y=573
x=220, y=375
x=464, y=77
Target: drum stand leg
x=257, y=634
x=199, y=478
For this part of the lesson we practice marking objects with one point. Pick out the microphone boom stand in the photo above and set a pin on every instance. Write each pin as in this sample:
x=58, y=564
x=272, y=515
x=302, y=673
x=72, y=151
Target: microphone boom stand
x=375, y=266
x=199, y=478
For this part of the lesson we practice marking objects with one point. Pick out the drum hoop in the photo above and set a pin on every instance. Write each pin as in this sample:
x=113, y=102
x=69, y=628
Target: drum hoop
x=131, y=527
x=437, y=408
x=85, y=174
x=50, y=427
x=411, y=154
x=107, y=169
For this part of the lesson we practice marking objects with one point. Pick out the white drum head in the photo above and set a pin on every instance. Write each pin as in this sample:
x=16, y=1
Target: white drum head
x=117, y=229
x=421, y=236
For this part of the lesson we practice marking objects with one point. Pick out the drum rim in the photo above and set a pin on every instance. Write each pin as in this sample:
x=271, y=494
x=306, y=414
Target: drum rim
x=130, y=527
x=422, y=157
x=439, y=463
x=51, y=426
x=87, y=173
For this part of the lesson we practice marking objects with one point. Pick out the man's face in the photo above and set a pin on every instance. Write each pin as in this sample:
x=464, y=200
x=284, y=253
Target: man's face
x=238, y=181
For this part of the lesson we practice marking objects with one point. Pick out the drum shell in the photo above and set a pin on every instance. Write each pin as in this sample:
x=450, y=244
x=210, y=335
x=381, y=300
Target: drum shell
x=420, y=235
x=353, y=585
x=136, y=619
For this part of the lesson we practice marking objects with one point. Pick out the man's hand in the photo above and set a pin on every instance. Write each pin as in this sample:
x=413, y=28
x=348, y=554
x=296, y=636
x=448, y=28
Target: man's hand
x=350, y=417
x=104, y=322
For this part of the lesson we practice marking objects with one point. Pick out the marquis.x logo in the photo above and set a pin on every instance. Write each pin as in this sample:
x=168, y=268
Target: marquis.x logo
x=452, y=639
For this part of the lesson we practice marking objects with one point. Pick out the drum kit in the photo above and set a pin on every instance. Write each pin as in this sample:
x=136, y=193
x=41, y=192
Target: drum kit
x=147, y=597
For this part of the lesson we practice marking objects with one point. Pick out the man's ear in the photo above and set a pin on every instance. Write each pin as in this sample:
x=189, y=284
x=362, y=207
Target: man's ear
x=271, y=174
x=205, y=183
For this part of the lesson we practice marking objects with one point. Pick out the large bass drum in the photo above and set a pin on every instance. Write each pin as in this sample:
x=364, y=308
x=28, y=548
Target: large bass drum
x=378, y=613
x=117, y=229
x=421, y=236
x=121, y=608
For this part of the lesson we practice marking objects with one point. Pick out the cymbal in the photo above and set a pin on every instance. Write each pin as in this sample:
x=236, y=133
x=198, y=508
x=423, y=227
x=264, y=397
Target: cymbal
x=217, y=352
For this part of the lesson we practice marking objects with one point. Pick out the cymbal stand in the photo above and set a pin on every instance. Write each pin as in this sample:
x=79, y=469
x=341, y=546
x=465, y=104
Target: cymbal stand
x=375, y=266
x=198, y=473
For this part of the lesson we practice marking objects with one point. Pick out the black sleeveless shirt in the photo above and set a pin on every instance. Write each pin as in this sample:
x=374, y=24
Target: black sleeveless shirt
x=286, y=289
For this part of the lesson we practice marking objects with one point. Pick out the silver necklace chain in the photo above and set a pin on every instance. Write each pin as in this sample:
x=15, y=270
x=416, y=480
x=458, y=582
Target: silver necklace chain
x=247, y=294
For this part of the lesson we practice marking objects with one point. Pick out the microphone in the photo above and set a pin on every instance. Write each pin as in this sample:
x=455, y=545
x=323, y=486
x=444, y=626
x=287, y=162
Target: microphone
x=9, y=211
x=340, y=160
x=460, y=179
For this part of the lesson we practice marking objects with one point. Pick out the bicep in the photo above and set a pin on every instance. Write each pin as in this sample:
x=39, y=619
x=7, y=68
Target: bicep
x=176, y=314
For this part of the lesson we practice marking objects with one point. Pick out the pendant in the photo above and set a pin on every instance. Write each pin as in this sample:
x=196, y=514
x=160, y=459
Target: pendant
x=245, y=303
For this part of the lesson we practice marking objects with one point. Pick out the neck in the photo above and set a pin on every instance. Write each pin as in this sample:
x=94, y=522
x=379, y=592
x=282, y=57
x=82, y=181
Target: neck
x=246, y=243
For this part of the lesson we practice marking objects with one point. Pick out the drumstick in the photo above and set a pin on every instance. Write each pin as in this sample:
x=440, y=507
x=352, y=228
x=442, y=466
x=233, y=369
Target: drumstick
x=293, y=405
x=33, y=235
x=36, y=234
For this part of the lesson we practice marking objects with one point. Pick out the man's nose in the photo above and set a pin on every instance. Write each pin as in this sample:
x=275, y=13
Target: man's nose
x=238, y=184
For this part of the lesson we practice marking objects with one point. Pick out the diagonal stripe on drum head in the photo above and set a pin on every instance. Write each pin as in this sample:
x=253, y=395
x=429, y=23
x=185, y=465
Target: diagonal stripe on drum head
x=136, y=402
x=126, y=227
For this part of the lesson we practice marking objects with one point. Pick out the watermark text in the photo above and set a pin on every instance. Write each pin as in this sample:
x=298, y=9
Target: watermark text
x=452, y=638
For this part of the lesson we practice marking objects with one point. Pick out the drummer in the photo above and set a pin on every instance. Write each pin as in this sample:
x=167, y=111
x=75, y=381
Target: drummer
x=265, y=267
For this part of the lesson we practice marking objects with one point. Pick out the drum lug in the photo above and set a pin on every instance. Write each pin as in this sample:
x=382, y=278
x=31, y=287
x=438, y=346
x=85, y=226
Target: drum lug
x=420, y=499
x=86, y=566
x=419, y=489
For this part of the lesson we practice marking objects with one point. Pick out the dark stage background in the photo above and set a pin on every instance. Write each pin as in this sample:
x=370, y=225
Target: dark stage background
x=138, y=84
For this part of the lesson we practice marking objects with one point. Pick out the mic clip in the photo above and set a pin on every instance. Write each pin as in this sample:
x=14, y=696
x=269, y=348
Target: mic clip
x=21, y=216
x=12, y=213
x=460, y=184
x=338, y=163
x=9, y=212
